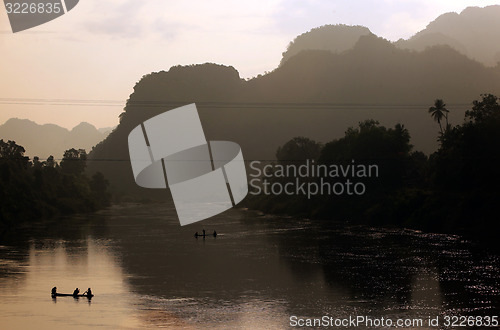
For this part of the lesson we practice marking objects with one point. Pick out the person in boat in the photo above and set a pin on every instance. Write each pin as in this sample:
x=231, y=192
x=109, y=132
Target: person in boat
x=88, y=292
x=76, y=292
x=196, y=234
x=203, y=232
x=215, y=233
x=54, y=291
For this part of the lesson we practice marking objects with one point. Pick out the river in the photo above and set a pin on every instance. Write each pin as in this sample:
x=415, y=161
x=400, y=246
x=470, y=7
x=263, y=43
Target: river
x=147, y=272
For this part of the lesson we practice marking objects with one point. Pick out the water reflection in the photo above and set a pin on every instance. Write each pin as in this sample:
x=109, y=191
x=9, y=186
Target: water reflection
x=147, y=271
x=32, y=268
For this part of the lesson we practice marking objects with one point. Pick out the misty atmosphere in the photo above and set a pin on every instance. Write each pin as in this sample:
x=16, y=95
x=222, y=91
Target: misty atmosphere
x=49, y=139
x=412, y=238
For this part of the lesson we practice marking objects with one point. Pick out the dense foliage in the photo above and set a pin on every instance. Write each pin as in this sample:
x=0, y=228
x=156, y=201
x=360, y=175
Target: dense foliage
x=455, y=189
x=37, y=189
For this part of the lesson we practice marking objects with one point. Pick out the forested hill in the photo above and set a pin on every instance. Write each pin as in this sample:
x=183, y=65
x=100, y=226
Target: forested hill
x=334, y=38
x=376, y=72
x=315, y=93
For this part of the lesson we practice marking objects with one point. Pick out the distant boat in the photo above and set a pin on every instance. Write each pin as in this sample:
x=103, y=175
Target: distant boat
x=71, y=295
x=214, y=234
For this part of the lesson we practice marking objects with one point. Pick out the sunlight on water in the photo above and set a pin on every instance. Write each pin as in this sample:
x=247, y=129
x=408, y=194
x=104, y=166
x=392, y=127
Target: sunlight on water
x=146, y=271
x=26, y=297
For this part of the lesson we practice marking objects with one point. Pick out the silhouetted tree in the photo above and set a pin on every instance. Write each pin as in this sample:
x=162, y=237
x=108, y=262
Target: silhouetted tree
x=50, y=162
x=470, y=153
x=438, y=112
x=298, y=149
x=487, y=109
x=13, y=153
x=74, y=161
x=371, y=143
x=466, y=167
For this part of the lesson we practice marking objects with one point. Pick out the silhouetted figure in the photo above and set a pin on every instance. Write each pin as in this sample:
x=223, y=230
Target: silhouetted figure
x=76, y=292
x=196, y=235
x=215, y=233
x=203, y=232
x=54, y=290
x=88, y=292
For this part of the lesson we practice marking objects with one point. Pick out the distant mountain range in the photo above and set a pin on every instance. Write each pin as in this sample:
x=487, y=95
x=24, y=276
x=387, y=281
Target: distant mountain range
x=50, y=139
x=474, y=32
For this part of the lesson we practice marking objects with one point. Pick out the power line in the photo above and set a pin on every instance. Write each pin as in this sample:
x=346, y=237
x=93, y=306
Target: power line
x=209, y=104
x=65, y=102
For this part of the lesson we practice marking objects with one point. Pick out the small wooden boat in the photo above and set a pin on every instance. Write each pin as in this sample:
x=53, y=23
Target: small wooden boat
x=71, y=295
x=206, y=235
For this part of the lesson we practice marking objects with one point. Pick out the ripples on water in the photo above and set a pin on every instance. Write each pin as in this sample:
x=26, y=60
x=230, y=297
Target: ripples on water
x=147, y=271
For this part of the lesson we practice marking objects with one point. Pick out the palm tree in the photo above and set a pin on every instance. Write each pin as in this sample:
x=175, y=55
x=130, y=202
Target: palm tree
x=438, y=112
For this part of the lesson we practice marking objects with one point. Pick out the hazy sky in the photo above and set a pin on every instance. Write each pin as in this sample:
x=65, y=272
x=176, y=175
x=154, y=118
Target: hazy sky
x=101, y=48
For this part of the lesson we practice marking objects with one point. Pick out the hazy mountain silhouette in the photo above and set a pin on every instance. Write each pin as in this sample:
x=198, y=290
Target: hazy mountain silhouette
x=105, y=130
x=334, y=38
x=49, y=139
x=376, y=72
x=316, y=93
x=474, y=32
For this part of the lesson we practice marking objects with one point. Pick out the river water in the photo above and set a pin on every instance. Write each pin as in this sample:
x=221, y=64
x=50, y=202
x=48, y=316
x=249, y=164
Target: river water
x=146, y=272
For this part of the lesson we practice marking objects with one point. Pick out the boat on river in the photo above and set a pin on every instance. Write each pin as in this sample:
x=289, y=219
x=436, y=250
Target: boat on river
x=71, y=295
x=196, y=235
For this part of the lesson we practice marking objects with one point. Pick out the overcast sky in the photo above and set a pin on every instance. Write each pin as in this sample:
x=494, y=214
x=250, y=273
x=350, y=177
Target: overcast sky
x=101, y=48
